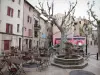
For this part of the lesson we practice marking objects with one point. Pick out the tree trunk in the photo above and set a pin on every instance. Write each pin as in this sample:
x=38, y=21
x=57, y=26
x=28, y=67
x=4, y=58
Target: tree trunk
x=62, y=42
x=98, y=32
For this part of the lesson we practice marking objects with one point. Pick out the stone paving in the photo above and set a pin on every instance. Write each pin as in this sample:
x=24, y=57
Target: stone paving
x=93, y=66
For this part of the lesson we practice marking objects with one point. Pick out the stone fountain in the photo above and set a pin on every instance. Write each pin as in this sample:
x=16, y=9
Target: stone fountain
x=70, y=59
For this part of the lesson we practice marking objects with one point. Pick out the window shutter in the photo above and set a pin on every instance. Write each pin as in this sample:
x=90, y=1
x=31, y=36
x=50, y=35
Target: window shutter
x=12, y=12
x=30, y=19
x=7, y=28
x=8, y=11
x=27, y=18
x=30, y=32
x=11, y=29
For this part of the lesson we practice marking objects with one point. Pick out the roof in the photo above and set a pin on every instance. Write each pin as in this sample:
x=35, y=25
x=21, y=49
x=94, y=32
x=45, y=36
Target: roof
x=31, y=5
x=43, y=17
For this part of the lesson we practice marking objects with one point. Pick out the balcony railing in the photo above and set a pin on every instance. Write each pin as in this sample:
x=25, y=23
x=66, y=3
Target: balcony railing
x=37, y=27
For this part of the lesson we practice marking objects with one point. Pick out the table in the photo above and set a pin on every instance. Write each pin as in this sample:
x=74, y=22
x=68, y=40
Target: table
x=80, y=72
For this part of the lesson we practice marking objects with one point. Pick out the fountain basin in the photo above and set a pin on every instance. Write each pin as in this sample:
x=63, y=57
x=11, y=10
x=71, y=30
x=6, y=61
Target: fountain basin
x=76, y=61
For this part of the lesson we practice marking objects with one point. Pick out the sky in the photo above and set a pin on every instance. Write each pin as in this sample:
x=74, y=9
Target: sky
x=60, y=6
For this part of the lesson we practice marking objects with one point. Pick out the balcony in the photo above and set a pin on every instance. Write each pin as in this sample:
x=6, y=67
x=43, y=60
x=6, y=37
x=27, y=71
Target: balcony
x=37, y=27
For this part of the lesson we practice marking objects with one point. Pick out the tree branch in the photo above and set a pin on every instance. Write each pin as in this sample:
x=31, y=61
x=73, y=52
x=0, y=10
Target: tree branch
x=92, y=23
x=90, y=10
x=56, y=32
x=49, y=8
x=70, y=10
x=69, y=24
x=63, y=20
x=60, y=28
x=69, y=28
x=93, y=15
x=40, y=4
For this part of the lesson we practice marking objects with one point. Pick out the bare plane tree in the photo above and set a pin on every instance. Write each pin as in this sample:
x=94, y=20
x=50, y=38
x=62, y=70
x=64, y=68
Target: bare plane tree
x=67, y=19
x=94, y=16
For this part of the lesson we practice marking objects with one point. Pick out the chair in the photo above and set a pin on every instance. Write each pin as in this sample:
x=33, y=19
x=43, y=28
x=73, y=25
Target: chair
x=27, y=57
x=12, y=69
x=14, y=66
x=2, y=65
x=39, y=62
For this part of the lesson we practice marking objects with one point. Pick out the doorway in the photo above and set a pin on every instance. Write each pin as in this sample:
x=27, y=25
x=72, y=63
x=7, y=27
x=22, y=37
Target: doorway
x=6, y=44
x=19, y=43
x=30, y=44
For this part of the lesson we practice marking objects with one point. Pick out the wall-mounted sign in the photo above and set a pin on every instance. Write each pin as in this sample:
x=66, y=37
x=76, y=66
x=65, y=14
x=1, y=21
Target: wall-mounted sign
x=43, y=35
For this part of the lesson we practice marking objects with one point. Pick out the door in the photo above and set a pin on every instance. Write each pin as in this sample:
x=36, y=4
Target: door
x=37, y=44
x=30, y=44
x=26, y=43
x=6, y=44
x=19, y=43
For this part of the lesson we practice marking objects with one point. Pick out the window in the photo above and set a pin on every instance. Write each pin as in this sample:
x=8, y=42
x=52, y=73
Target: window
x=35, y=34
x=80, y=22
x=29, y=8
x=19, y=2
x=36, y=23
x=13, y=0
x=79, y=38
x=26, y=41
x=18, y=26
x=29, y=19
x=25, y=28
x=69, y=38
x=30, y=32
x=18, y=13
x=9, y=28
x=75, y=28
x=10, y=11
x=75, y=23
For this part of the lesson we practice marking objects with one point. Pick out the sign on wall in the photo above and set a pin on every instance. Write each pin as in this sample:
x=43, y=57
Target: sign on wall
x=44, y=36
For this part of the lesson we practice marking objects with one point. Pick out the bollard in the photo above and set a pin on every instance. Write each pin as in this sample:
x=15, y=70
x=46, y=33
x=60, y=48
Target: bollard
x=97, y=56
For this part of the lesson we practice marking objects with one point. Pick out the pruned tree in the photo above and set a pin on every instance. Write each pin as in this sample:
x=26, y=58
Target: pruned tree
x=94, y=16
x=66, y=22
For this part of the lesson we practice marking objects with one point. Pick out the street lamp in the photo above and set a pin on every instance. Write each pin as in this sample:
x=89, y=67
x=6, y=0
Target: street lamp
x=86, y=33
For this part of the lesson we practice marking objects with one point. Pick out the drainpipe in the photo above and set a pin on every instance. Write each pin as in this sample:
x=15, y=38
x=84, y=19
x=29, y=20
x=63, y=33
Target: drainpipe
x=23, y=26
x=39, y=32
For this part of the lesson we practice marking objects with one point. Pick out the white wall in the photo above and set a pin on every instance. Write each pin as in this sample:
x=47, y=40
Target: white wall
x=12, y=20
